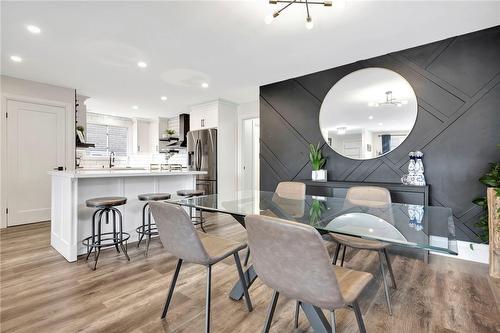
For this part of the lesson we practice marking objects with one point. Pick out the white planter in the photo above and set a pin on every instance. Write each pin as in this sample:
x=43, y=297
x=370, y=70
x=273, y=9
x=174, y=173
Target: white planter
x=319, y=175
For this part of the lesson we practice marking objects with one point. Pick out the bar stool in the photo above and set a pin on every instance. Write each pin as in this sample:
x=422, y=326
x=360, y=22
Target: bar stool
x=105, y=206
x=148, y=229
x=197, y=220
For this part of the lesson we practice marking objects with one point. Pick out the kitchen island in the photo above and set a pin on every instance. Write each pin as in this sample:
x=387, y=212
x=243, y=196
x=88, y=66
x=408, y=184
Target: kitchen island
x=71, y=218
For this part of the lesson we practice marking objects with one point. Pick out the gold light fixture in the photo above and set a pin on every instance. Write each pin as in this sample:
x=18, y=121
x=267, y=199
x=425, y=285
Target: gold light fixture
x=309, y=22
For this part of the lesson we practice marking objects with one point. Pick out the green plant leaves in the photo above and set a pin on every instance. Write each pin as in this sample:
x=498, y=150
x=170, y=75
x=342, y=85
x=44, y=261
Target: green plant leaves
x=316, y=157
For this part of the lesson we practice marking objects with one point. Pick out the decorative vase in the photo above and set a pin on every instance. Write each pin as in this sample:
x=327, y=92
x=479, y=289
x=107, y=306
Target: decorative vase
x=494, y=231
x=319, y=175
x=415, y=175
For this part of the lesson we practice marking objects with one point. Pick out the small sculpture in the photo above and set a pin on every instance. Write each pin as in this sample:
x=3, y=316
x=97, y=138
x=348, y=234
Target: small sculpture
x=415, y=174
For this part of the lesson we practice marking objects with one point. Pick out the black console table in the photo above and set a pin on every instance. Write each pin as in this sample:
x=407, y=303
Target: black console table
x=406, y=194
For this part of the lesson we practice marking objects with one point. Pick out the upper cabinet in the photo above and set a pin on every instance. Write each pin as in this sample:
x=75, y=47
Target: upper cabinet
x=204, y=116
x=142, y=136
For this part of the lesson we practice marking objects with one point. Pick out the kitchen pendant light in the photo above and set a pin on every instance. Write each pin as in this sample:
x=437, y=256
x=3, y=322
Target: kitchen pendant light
x=309, y=22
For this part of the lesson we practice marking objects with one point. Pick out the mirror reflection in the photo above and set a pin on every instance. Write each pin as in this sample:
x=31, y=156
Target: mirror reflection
x=368, y=113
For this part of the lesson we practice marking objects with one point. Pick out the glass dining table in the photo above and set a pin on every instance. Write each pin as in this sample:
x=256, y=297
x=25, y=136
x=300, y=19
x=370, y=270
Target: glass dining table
x=429, y=228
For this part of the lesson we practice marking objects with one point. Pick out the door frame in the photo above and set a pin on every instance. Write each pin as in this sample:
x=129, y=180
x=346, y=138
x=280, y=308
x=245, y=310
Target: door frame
x=241, y=120
x=69, y=142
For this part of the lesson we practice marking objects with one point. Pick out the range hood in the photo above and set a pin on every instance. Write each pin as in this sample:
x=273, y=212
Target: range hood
x=180, y=140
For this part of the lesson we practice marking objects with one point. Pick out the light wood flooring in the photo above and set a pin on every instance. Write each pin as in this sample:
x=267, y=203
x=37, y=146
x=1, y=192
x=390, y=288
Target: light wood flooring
x=42, y=292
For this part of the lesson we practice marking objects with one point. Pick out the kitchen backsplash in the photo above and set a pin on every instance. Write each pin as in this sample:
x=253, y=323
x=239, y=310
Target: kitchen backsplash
x=139, y=160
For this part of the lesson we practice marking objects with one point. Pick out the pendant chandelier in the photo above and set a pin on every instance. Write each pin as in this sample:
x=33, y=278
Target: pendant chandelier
x=309, y=22
x=389, y=100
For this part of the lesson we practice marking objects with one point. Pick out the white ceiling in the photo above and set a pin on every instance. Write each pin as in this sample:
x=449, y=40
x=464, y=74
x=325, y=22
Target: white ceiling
x=95, y=46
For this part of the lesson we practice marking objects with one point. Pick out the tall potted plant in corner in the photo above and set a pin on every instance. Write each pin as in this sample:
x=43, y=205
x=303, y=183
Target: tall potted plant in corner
x=317, y=163
x=489, y=223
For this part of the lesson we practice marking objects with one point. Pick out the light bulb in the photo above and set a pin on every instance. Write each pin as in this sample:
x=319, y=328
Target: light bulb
x=269, y=19
x=340, y=3
x=309, y=23
x=16, y=58
x=34, y=29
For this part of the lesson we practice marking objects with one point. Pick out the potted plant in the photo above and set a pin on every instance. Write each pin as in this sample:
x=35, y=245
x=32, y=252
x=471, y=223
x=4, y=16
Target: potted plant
x=489, y=223
x=317, y=162
x=316, y=211
x=168, y=133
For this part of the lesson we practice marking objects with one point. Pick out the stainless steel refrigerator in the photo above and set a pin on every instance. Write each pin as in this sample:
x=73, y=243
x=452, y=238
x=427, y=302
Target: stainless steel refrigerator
x=202, y=155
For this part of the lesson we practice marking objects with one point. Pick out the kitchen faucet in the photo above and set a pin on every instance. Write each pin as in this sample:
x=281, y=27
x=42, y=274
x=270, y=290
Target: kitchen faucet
x=111, y=159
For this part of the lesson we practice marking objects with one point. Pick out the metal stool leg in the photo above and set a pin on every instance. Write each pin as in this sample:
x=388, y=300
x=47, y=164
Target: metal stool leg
x=90, y=248
x=98, y=252
x=143, y=224
x=201, y=220
x=336, y=255
x=115, y=236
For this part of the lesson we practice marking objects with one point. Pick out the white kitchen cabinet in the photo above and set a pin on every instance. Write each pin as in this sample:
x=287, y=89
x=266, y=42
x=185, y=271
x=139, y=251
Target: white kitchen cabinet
x=142, y=136
x=204, y=116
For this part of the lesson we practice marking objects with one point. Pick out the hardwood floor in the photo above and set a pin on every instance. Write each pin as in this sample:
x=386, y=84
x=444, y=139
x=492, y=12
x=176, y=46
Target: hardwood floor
x=42, y=292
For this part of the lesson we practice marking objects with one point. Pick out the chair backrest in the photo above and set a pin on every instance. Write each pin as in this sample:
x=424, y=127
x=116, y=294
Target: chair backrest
x=371, y=196
x=177, y=232
x=291, y=190
x=376, y=199
x=291, y=258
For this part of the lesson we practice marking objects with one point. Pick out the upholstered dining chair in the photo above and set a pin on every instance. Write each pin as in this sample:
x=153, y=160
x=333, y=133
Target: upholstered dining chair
x=287, y=195
x=180, y=238
x=291, y=259
x=377, y=199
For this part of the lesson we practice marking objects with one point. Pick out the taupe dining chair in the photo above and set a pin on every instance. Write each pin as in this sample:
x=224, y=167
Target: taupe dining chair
x=180, y=238
x=378, y=199
x=291, y=259
x=287, y=196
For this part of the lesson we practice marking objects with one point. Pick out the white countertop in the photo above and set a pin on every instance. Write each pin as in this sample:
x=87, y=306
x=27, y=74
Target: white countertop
x=122, y=173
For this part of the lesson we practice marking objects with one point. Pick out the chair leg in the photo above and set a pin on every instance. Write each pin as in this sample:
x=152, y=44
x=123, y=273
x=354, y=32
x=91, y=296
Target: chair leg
x=389, y=266
x=332, y=320
x=297, y=313
x=270, y=312
x=336, y=255
x=141, y=236
x=207, y=304
x=359, y=317
x=385, y=282
x=247, y=257
x=343, y=257
x=243, y=281
x=114, y=231
x=171, y=289
x=98, y=251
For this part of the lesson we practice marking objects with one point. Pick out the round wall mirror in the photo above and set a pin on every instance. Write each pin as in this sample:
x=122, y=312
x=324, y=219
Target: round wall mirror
x=368, y=113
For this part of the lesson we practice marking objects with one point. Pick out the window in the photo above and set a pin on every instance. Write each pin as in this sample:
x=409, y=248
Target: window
x=107, y=139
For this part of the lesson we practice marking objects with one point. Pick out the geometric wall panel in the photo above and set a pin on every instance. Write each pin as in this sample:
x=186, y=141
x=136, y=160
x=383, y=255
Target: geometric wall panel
x=457, y=83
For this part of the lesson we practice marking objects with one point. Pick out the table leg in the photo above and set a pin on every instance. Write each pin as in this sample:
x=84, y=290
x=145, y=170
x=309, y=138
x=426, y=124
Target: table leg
x=316, y=318
x=237, y=291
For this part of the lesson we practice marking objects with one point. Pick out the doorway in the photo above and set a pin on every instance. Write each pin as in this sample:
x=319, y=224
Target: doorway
x=36, y=143
x=250, y=154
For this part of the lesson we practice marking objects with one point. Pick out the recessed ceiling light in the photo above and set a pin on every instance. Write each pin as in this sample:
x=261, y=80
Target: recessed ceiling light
x=34, y=29
x=142, y=64
x=163, y=98
x=16, y=58
x=135, y=107
x=370, y=117
x=204, y=85
x=380, y=124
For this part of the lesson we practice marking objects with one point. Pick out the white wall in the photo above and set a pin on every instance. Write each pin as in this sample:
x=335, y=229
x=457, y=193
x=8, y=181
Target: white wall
x=31, y=91
x=245, y=111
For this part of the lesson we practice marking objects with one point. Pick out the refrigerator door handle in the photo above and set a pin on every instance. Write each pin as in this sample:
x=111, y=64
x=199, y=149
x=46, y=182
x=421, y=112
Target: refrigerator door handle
x=198, y=154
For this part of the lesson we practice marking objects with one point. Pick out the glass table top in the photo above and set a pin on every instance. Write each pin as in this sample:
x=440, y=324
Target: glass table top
x=425, y=227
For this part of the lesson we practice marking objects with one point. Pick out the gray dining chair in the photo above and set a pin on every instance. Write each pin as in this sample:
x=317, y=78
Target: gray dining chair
x=287, y=195
x=180, y=238
x=378, y=200
x=292, y=259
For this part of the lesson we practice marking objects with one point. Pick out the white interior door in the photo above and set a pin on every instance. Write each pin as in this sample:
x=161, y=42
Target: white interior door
x=35, y=145
x=352, y=149
x=250, y=154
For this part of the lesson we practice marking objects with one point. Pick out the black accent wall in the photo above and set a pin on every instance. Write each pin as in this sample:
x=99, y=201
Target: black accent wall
x=457, y=83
